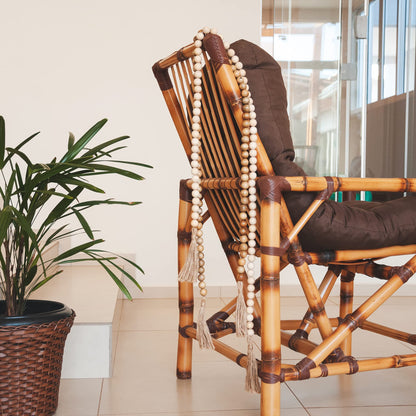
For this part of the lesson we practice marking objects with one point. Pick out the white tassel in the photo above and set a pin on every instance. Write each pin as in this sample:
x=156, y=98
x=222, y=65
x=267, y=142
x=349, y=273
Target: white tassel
x=203, y=335
x=189, y=271
x=252, y=378
x=240, y=312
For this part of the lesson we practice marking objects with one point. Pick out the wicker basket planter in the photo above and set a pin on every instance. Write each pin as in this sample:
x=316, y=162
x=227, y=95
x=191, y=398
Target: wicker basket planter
x=31, y=351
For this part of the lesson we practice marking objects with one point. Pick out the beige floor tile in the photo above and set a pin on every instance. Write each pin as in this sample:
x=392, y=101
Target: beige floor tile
x=157, y=314
x=365, y=411
x=79, y=397
x=214, y=387
x=254, y=412
x=376, y=388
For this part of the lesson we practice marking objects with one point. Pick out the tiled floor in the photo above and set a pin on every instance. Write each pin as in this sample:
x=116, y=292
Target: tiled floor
x=144, y=381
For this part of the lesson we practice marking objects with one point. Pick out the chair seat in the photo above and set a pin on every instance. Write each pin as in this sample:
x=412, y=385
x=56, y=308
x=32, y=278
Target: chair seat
x=358, y=225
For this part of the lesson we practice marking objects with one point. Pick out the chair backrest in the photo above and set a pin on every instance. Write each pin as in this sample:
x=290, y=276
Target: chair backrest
x=221, y=120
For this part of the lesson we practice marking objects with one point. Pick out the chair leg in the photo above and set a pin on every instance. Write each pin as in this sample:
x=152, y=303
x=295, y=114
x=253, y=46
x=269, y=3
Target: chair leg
x=270, y=312
x=186, y=296
x=346, y=305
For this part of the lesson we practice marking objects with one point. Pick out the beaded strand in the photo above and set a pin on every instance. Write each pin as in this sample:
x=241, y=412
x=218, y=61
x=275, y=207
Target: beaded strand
x=248, y=204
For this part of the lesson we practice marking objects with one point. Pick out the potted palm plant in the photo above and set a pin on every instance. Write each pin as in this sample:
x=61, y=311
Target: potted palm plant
x=36, y=202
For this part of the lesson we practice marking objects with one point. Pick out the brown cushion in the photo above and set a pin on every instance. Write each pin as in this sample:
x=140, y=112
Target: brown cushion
x=269, y=94
x=335, y=226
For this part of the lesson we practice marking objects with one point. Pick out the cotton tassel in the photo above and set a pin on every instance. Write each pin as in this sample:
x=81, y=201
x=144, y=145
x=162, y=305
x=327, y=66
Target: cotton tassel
x=202, y=331
x=189, y=271
x=240, y=312
x=252, y=378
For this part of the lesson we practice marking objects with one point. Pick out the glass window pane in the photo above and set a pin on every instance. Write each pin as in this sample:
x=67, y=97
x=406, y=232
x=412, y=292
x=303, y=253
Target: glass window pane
x=306, y=43
x=390, y=48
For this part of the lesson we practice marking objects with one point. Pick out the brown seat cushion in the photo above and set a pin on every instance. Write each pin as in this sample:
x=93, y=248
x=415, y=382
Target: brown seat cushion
x=335, y=226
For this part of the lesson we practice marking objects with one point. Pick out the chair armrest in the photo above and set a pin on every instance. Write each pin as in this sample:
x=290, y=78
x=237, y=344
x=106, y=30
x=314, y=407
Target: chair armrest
x=316, y=184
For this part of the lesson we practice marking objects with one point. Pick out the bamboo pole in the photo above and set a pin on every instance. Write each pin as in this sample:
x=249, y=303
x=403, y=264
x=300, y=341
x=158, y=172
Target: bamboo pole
x=353, y=320
x=389, y=332
x=270, y=301
x=296, y=256
x=186, y=296
x=333, y=369
x=346, y=305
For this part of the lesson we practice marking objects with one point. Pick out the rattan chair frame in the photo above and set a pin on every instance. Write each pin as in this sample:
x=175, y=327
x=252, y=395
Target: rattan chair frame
x=278, y=243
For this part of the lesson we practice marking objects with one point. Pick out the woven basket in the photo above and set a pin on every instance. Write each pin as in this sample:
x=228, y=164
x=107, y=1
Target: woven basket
x=31, y=361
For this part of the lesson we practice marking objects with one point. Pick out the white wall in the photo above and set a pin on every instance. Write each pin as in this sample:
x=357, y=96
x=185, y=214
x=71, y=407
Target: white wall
x=67, y=64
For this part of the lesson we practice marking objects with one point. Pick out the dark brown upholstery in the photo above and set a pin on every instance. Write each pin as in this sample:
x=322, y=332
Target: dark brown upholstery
x=348, y=225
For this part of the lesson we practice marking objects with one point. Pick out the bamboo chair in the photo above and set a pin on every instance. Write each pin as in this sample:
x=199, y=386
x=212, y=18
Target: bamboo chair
x=277, y=242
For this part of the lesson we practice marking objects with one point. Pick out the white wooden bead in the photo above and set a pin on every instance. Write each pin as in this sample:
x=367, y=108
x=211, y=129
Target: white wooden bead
x=243, y=73
x=252, y=175
x=253, y=160
x=235, y=60
x=250, y=317
x=250, y=273
x=196, y=119
x=195, y=149
x=214, y=31
x=194, y=223
x=253, y=168
x=226, y=45
x=251, y=250
x=250, y=288
x=197, y=66
x=196, y=111
x=197, y=81
x=198, y=43
x=252, y=182
x=200, y=35
x=251, y=236
x=198, y=58
x=206, y=29
x=198, y=74
x=197, y=103
x=252, y=191
x=252, y=258
x=238, y=65
x=231, y=52
x=250, y=326
x=250, y=332
x=197, y=51
x=198, y=88
x=251, y=281
x=251, y=295
x=195, y=215
x=250, y=302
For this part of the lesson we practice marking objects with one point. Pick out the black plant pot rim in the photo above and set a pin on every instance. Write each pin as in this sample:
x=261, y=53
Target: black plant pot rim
x=36, y=312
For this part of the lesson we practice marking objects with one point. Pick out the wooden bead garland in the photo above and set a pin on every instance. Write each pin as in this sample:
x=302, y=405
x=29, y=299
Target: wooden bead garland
x=195, y=262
